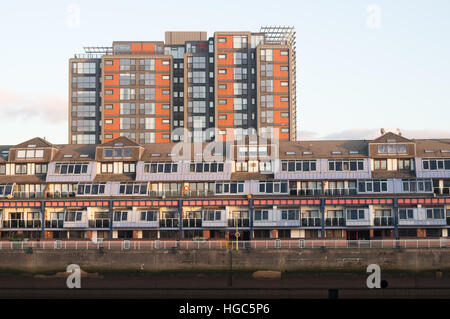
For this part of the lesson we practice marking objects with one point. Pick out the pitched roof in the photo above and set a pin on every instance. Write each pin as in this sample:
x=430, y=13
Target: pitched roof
x=120, y=140
x=385, y=138
x=323, y=149
x=39, y=142
x=71, y=152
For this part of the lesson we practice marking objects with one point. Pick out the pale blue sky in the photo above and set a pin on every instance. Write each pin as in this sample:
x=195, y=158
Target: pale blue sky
x=352, y=79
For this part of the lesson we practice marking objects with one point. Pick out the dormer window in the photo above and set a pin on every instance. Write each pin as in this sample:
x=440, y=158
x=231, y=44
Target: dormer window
x=26, y=154
x=392, y=149
x=118, y=152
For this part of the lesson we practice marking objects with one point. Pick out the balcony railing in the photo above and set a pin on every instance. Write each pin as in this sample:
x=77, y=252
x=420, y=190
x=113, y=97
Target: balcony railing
x=311, y=222
x=99, y=223
x=60, y=194
x=197, y=193
x=164, y=193
x=191, y=222
x=169, y=222
x=335, y=221
x=340, y=191
x=54, y=223
x=28, y=194
x=442, y=191
x=306, y=192
x=383, y=221
x=239, y=222
x=19, y=223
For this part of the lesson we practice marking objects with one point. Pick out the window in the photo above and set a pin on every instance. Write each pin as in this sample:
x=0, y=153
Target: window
x=266, y=55
x=273, y=187
x=73, y=216
x=261, y=215
x=222, y=40
x=129, y=167
x=212, y=215
x=120, y=216
x=86, y=67
x=239, y=42
x=229, y=187
x=417, y=185
x=71, y=168
x=154, y=168
x=117, y=152
x=213, y=167
x=39, y=169
x=266, y=70
x=290, y=214
x=148, y=216
x=392, y=149
x=30, y=153
x=5, y=189
x=436, y=164
x=298, y=166
x=380, y=164
x=404, y=164
x=21, y=168
x=355, y=214
x=372, y=186
x=133, y=189
x=91, y=189
x=406, y=213
x=128, y=94
x=147, y=64
x=435, y=213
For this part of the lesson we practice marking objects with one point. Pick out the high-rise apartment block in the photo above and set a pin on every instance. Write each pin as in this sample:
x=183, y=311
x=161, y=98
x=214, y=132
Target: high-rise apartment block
x=188, y=88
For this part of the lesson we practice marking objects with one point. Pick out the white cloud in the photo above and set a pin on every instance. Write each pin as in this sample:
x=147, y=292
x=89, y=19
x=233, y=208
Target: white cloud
x=25, y=105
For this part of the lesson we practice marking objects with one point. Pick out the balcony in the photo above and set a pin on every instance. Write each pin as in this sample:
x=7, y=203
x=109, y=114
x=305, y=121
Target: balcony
x=28, y=195
x=191, y=222
x=442, y=191
x=340, y=191
x=164, y=193
x=335, y=222
x=383, y=221
x=311, y=222
x=168, y=223
x=19, y=223
x=240, y=222
x=54, y=223
x=306, y=192
x=60, y=194
x=98, y=223
x=197, y=193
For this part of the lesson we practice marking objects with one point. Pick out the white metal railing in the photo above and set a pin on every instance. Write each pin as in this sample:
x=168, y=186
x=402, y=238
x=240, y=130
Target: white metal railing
x=223, y=244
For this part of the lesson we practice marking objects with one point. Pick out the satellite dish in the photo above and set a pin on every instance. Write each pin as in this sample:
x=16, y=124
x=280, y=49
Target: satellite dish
x=382, y=131
x=399, y=132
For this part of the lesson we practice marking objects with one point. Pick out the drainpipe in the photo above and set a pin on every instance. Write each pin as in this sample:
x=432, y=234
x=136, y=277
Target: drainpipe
x=322, y=216
x=395, y=211
x=111, y=213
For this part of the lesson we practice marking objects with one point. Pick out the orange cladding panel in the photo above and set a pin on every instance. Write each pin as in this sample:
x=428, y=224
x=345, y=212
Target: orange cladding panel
x=277, y=88
x=228, y=76
x=277, y=57
x=228, y=44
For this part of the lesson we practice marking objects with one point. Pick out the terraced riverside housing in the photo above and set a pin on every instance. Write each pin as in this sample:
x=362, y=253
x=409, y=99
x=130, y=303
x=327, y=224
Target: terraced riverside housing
x=356, y=189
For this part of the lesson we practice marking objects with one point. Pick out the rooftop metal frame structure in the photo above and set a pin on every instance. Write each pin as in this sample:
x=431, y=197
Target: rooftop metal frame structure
x=286, y=35
x=98, y=50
